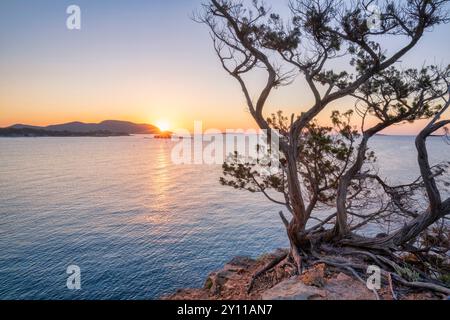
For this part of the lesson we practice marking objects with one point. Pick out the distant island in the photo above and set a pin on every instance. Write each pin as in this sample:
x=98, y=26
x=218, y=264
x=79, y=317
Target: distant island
x=79, y=129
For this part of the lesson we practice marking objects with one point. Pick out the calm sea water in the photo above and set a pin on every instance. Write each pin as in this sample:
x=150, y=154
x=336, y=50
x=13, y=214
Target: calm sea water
x=137, y=225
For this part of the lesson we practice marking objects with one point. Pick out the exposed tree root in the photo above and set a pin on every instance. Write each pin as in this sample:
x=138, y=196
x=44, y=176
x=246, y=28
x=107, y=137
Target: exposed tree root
x=391, y=287
x=355, y=262
x=423, y=285
x=272, y=264
x=348, y=268
x=295, y=252
x=383, y=262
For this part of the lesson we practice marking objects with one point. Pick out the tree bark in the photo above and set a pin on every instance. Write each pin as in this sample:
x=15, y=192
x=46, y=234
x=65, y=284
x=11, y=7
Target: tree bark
x=437, y=209
x=341, y=227
x=294, y=188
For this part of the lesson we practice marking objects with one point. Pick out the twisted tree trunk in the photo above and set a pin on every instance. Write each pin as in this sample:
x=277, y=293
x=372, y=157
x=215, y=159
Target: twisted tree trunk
x=341, y=227
x=437, y=209
x=295, y=228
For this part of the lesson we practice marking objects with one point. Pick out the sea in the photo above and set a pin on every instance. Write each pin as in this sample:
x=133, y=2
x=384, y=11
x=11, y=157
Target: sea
x=136, y=224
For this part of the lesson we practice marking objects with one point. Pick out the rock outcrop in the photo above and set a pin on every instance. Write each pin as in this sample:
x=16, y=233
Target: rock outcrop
x=319, y=282
x=293, y=289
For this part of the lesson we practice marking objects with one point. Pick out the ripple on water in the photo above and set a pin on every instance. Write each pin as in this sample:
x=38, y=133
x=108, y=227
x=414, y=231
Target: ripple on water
x=137, y=225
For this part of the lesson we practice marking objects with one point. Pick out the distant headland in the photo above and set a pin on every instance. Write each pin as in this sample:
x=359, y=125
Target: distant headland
x=80, y=129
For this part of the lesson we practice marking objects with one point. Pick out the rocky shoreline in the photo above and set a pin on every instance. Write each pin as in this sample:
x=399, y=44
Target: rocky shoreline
x=317, y=282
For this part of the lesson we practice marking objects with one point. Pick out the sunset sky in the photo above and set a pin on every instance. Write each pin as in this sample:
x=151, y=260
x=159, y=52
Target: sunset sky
x=143, y=61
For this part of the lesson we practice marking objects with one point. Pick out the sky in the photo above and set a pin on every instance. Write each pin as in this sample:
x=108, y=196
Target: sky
x=142, y=61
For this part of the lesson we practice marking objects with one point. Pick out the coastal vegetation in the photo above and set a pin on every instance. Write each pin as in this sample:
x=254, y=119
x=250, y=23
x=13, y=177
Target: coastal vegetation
x=328, y=183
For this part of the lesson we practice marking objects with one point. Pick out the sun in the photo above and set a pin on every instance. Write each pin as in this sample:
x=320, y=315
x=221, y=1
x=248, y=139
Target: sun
x=163, y=125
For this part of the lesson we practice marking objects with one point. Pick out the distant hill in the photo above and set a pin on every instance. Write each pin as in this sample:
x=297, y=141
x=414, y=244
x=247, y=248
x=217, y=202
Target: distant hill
x=33, y=132
x=111, y=126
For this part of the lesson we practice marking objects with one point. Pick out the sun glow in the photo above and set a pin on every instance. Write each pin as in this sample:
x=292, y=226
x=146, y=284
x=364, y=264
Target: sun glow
x=163, y=125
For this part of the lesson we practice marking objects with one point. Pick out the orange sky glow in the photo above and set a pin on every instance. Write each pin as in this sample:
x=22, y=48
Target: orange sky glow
x=133, y=63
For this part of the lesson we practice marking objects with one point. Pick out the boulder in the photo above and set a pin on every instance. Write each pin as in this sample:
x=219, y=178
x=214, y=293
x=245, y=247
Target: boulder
x=344, y=287
x=341, y=287
x=293, y=289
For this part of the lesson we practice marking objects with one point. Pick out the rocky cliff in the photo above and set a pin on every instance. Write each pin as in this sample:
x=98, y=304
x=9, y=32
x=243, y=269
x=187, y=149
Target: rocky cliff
x=318, y=282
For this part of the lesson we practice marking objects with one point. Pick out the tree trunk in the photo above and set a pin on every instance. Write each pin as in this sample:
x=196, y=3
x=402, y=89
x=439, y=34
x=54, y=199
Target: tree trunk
x=437, y=209
x=294, y=188
x=341, y=226
x=296, y=227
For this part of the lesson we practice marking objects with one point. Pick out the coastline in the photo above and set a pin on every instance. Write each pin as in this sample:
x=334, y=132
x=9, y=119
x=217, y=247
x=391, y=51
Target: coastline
x=37, y=133
x=317, y=282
